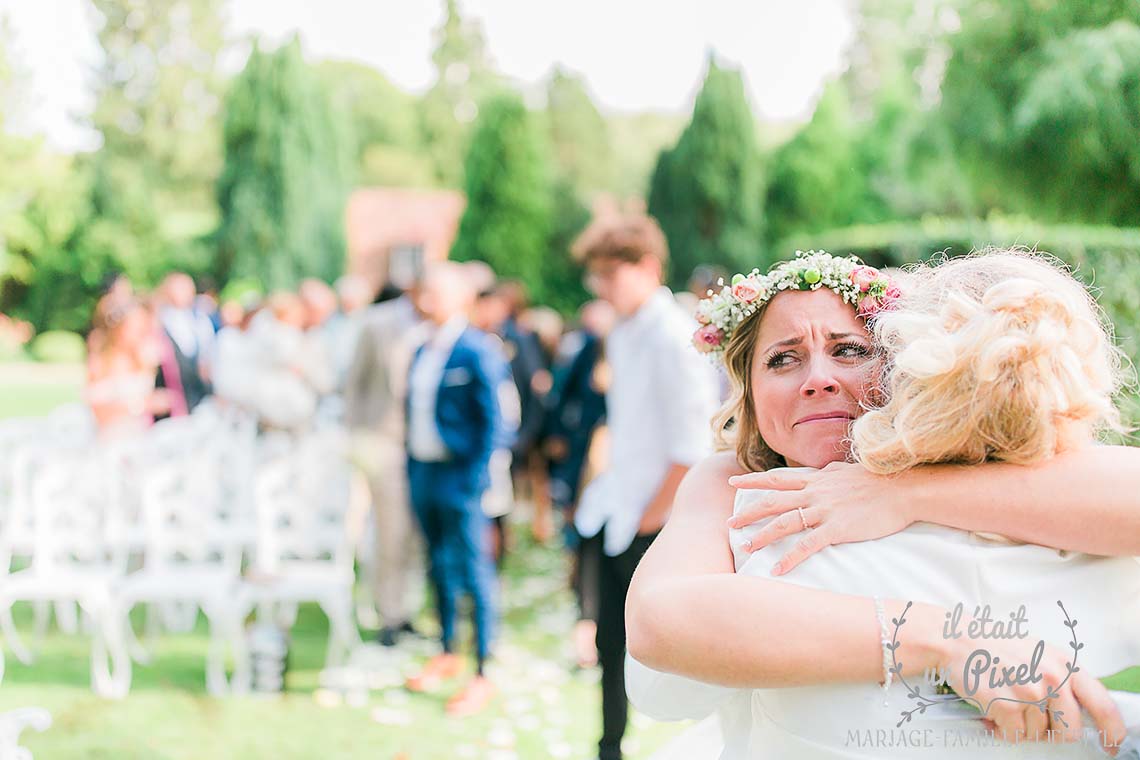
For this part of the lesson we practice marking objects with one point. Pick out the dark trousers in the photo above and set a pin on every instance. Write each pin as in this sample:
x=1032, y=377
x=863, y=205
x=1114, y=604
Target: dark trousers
x=584, y=577
x=614, y=575
x=456, y=533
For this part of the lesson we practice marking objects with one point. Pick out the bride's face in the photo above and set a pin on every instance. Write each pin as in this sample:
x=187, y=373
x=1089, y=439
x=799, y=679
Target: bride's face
x=811, y=368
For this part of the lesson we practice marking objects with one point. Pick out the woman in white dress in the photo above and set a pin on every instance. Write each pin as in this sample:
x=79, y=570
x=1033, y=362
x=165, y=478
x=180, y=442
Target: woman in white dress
x=993, y=357
x=122, y=359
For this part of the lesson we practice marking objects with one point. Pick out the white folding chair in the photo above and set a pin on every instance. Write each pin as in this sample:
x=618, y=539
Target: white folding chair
x=72, y=563
x=189, y=559
x=303, y=553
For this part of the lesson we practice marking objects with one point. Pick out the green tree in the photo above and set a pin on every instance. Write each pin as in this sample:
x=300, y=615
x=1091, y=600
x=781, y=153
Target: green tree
x=579, y=136
x=814, y=180
x=283, y=186
x=638, y=139
x=385, y=122
x=707, y=191
x=507, y=222
x=464, y=77
x=44, y=202
x=563, y=279
x=1042, y=101
x=157, y=95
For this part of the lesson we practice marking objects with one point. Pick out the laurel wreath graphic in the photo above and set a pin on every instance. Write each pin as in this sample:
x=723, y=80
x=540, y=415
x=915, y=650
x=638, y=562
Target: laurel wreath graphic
x=925, y=701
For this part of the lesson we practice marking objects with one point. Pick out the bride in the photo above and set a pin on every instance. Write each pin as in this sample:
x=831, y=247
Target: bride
x=992, y=357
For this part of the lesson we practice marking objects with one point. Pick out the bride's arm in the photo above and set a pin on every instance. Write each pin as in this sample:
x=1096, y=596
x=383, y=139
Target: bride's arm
x=660, y=694
x=688, y=613
x=1085, y=500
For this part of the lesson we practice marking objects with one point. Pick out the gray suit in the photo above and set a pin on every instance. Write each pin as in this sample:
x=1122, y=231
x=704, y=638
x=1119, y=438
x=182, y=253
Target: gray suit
x=374, y=394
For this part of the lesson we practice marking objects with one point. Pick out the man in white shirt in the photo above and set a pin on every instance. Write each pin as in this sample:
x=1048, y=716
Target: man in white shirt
x=661, y=399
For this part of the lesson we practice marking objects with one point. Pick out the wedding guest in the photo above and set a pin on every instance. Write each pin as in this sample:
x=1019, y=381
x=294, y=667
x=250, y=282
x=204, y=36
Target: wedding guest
x=122, y=362
x=499, y=499
x=289, y=364
x=577, y=409
x=497, y=310
x=375, y=393
x=661, y=397
x=321, y=326
x=455, y=423
x=235, y=368
x=191, y=335
x=319, y=302
x=206, y=302
x=354, y=295
x=547, y=326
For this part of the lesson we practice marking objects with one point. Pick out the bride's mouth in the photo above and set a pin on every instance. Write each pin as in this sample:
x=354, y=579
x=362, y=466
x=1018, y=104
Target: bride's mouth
x=825, y=417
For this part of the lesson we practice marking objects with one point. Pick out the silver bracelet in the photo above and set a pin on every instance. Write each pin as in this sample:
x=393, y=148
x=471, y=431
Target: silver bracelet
x=888, y=673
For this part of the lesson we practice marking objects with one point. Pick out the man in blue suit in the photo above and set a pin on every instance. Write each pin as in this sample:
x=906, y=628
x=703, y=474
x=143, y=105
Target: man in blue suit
x=455, y=422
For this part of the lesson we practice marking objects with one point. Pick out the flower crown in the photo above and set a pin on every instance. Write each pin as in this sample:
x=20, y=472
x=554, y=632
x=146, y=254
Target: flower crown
x=866, y=288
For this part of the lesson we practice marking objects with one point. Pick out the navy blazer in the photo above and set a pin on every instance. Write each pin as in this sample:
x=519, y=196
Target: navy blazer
x=468, y=414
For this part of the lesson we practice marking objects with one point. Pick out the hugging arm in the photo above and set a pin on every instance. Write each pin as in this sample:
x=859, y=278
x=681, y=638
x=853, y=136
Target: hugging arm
x=688, y=612
x=1085, y=500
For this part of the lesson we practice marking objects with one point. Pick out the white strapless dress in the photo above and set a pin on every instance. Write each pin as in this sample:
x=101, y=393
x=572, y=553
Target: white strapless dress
x=924, y=563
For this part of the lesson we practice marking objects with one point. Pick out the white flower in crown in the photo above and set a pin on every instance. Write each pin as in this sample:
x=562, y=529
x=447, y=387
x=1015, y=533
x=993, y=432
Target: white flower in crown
x=866, y=288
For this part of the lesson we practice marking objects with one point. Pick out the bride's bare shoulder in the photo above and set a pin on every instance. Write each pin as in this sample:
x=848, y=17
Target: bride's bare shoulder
x=717, y=467
x=705, y=489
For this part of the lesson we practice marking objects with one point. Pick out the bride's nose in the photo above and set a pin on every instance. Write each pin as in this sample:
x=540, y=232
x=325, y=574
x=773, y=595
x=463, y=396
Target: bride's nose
x=820, y=378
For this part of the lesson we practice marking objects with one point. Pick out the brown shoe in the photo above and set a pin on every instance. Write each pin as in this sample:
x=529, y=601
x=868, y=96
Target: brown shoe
x=474, y=697
x=438, y=669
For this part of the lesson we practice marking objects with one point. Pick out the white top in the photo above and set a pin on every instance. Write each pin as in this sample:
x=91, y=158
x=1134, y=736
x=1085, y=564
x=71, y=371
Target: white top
x=190, y=330
x=280, y=371
x=424, y=441
x=924, y=563
x=659, y=405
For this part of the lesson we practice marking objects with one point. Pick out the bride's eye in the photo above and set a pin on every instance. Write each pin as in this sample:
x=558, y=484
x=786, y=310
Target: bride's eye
x=780, y=359
x=852, y=351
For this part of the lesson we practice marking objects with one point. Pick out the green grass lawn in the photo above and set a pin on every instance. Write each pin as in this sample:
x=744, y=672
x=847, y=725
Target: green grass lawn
x=545, y=707
x=28, y=389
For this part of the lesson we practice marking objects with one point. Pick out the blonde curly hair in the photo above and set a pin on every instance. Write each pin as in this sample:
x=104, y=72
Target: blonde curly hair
x=1000, y=355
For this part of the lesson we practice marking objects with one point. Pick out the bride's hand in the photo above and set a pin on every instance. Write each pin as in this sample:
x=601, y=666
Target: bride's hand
x=1028, y=712
x=841, y=503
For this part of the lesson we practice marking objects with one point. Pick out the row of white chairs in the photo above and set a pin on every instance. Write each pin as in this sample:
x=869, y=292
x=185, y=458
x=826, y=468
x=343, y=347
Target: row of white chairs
x=196, y=513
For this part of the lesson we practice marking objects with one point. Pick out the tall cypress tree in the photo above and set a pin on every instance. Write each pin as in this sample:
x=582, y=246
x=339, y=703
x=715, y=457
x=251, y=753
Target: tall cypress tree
x=707, y=191
x=464, y=76
x=283, y=186
x=580, y=145
x=507, y=222
x=156, y=90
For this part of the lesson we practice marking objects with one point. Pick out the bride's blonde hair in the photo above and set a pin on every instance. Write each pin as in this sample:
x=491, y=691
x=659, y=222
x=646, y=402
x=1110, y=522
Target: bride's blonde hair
x=1000, y=355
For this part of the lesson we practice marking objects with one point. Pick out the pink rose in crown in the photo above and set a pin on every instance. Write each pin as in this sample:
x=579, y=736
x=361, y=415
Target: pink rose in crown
x=747, y=290
x=862, y=276
x=870, y=305
x=708, y=338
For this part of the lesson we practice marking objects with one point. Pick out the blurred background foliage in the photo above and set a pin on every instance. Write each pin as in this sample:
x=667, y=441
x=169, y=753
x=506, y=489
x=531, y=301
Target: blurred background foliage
x=957, y=124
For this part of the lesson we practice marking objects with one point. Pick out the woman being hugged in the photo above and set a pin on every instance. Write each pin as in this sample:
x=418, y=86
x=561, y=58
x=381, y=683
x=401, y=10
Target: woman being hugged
x=976, y=359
